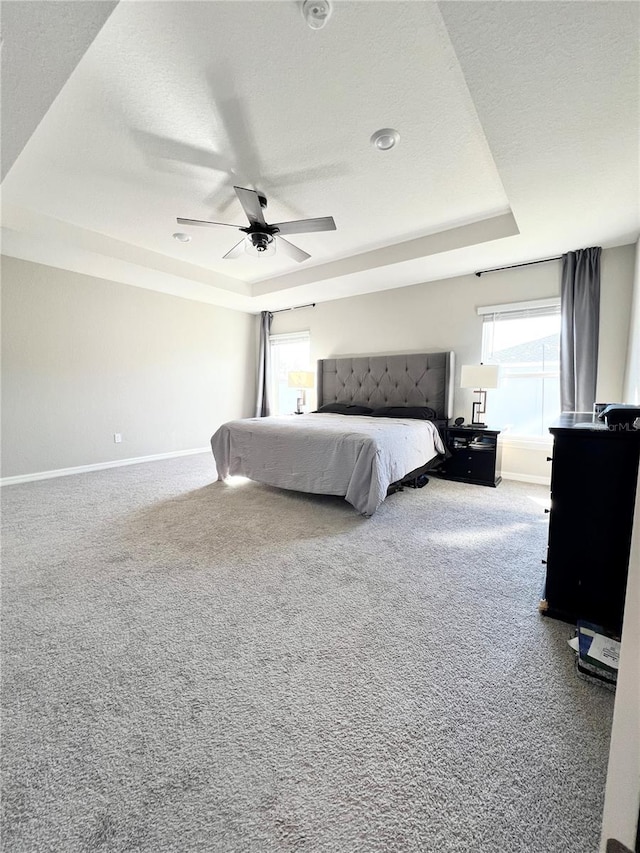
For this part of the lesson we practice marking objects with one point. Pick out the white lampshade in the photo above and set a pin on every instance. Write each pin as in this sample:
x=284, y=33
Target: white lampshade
x=479, y=376
x=301, y=379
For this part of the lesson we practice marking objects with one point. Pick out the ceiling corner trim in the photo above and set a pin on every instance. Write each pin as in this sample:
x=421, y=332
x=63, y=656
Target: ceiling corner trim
x=59, y=34
x=448, y=240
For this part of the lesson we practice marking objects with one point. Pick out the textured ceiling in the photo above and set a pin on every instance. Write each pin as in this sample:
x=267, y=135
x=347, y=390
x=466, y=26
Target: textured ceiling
x=42, y=42
x=518, y=124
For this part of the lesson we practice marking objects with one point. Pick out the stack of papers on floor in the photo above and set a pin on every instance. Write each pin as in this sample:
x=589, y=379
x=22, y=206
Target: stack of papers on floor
x=598, y=653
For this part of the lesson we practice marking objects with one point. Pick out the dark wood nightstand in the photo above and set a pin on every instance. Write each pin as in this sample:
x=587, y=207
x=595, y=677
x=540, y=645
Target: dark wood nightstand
x=475, y=455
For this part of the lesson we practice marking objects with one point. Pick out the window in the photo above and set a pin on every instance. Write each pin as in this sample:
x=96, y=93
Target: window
x=524, y=339
x=288, y=352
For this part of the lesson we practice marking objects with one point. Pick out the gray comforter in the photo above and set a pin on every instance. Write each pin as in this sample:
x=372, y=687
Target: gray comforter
x=355, y=456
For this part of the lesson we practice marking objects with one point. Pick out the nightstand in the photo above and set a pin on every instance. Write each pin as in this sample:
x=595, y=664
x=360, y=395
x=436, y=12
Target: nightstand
x=475, y=455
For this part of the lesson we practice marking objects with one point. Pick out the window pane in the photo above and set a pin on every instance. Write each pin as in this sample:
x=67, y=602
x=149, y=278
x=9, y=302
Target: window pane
x=528, y=350
x=289, y=353
x=524, y=405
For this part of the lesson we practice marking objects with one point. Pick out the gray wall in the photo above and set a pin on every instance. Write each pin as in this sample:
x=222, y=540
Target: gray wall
x=441, y=315
x=84, y=358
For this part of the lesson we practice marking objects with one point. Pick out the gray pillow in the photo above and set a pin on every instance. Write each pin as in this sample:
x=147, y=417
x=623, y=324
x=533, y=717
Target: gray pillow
x=421, y=413
x=343, y=409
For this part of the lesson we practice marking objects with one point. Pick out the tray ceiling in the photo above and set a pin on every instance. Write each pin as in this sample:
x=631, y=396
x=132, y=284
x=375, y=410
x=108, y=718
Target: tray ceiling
x=173, y=103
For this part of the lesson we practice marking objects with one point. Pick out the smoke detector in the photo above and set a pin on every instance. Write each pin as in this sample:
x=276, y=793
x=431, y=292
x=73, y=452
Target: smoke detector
x=316, y=13
x=385, y=139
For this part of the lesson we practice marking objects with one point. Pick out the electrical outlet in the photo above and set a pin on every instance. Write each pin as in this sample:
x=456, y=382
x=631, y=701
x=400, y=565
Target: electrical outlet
x=117, y=437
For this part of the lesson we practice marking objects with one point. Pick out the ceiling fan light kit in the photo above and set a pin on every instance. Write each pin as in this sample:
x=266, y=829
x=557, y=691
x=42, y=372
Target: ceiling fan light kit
x=261, y=238
x=257, y=244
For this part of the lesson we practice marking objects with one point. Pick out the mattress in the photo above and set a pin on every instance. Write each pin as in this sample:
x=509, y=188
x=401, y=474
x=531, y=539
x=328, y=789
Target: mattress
x=357, y=457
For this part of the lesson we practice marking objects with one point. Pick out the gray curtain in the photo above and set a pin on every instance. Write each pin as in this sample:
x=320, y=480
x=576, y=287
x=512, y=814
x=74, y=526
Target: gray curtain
x=580, y=320
x=263, y=403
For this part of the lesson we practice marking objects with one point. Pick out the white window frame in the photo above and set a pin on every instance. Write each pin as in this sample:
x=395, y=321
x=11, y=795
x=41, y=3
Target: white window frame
x=533, y=307
x=284, y=338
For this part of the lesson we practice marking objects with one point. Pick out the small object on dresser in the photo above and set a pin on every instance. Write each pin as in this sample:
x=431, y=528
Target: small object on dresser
x=620, y=416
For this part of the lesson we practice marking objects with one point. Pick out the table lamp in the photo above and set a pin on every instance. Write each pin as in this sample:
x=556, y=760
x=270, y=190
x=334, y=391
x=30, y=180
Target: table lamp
x=479, y=377
x=301, y=379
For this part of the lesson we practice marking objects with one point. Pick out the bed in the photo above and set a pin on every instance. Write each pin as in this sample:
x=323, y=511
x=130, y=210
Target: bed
x=356, y=456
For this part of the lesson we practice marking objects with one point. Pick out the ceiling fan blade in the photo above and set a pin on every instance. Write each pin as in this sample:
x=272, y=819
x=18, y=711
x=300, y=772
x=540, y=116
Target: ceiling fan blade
x=232, y=116
x=181, y=153
x=251, y=205
x=291, y=250
x=306, y=226
x=182, y=221
x=237, y=250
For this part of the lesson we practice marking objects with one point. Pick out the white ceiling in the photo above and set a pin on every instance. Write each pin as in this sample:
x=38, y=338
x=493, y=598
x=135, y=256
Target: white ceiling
x=518, y=125
x=29, y=30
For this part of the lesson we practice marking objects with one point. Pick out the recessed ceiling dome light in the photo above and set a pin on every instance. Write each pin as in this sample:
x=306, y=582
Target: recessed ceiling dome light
x=316, y=13
x=182, y=238
x=385, y=139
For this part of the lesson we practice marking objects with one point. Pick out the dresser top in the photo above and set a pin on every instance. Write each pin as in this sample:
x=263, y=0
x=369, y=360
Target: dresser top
x=578, y=420
x=585, y=421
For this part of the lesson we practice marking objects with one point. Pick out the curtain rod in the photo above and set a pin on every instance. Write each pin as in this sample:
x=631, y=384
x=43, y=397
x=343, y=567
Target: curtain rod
x=295, y=308
x=513, y=266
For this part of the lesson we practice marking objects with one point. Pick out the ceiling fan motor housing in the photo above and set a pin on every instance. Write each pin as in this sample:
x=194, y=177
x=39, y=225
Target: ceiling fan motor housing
x=260, y=240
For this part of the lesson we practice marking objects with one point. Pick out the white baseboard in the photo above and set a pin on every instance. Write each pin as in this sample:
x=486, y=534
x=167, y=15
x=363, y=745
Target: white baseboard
x=526, y=478
x=156, y=457
x=98, y=466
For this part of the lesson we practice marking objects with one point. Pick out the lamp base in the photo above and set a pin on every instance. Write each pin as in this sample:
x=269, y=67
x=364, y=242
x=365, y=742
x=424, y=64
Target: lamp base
x=477, y=409
x=478, y=425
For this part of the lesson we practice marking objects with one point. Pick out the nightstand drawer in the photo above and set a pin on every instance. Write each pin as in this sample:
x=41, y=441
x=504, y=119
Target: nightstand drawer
x=473, y=465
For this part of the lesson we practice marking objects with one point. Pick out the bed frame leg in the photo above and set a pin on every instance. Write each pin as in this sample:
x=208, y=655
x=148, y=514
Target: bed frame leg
x=419, y=481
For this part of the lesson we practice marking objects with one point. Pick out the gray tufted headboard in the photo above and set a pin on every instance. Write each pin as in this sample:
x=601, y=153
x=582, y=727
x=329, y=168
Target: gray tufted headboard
x=418, y=379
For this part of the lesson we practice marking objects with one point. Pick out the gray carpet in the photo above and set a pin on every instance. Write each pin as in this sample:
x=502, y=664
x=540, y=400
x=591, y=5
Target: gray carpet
x=190, y=666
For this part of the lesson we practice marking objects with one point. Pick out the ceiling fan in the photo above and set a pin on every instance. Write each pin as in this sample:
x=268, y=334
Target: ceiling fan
x=262, y=238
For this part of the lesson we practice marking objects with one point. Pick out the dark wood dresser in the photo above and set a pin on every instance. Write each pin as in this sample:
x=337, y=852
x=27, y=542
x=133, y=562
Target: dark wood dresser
x=593, y=486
